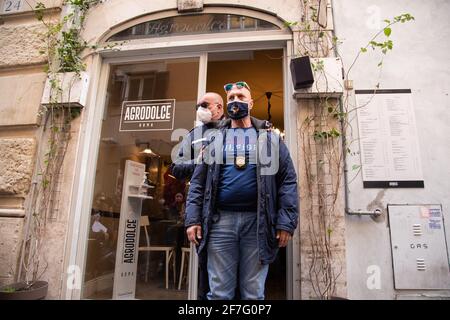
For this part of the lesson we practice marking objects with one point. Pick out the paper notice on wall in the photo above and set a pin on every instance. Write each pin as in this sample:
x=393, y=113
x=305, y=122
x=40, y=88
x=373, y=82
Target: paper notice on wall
x=390, y=156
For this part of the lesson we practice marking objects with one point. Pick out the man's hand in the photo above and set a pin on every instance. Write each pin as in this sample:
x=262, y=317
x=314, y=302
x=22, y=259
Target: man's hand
x=283, y=238
x=194, y=233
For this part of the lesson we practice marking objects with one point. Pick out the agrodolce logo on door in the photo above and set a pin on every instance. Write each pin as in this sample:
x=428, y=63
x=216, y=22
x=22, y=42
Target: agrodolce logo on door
x=147, y=115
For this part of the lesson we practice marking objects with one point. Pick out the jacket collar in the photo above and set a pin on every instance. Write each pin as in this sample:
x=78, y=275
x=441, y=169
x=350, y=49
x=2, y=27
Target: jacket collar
x=257, y=123
x=215, y=124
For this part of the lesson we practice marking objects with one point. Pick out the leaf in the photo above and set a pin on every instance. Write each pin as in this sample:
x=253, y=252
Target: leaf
x=356, y=166
x=334, y=133
x=8, y=289
x=290, y=24
x=387, y=31
x=380, y=64
x=363, y=50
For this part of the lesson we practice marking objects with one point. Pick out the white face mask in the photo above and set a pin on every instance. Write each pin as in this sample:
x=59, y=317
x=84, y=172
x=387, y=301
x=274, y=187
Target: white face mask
x=204, y=115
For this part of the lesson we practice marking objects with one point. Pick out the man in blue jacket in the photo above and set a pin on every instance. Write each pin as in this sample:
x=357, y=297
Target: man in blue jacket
x=242, y=203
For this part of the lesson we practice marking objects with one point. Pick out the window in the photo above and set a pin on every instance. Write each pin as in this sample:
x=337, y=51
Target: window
x=193, y=24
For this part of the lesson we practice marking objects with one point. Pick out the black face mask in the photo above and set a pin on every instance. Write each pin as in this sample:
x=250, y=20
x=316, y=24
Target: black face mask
x=237, y=109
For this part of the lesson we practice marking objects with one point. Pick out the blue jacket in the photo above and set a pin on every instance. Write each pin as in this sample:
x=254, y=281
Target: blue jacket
x=277, y=195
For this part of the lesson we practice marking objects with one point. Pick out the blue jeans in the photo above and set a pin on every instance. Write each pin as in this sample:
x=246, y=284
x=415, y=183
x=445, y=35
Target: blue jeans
x=232, y=246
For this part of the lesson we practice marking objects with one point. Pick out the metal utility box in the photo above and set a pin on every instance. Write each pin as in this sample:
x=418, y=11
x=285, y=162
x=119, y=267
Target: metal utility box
x=419, y=248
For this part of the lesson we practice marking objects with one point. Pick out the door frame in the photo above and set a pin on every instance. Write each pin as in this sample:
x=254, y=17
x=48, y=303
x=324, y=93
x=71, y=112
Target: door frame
x=89, y=143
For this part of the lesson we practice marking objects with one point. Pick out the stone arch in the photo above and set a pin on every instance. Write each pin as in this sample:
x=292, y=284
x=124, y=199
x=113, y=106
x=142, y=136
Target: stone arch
x=113, y=16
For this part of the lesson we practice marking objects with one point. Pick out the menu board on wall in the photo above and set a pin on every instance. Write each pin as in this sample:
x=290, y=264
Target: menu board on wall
x=390, y=156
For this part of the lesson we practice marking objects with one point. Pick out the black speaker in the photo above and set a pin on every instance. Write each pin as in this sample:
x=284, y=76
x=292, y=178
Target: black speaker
x=302, y=75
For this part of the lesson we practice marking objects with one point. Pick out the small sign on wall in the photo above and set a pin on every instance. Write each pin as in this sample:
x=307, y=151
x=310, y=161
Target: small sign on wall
x=148, y=115
x=190, y=5
x=11, y=6
x=128, y=239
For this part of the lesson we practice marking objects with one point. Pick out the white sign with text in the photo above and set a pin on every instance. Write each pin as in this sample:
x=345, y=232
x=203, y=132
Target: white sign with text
x=128, y=238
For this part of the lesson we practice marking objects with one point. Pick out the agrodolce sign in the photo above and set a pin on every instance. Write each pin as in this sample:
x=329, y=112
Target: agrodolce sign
x=147, y=115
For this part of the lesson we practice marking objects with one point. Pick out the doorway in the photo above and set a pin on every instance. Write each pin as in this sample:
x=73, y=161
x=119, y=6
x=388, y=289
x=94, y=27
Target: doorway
x=263, y=71
x=161, y=271
x=145, y=103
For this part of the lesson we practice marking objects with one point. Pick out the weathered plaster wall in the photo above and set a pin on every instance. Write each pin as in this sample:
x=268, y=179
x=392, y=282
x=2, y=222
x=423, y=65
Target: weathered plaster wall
x=419, y=61
x=319, y=180
x=22, y=79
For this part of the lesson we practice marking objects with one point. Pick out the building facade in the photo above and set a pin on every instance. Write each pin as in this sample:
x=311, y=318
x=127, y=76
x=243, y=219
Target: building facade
x=373, y=206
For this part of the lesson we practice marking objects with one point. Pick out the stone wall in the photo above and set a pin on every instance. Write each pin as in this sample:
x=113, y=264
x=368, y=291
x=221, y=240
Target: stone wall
x=10, y=241
x=20, y=45
x=322, y=227
x=22, y=80
x=58, y=221
x=17, y=156
x=320, y=167
x=20, y=96
x=16, y=165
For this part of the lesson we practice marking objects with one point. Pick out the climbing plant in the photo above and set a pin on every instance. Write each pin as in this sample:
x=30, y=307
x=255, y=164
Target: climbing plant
x=323, y=139
x=62, y=48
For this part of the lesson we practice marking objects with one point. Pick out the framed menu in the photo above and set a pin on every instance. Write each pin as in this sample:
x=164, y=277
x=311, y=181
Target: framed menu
x=390, y=155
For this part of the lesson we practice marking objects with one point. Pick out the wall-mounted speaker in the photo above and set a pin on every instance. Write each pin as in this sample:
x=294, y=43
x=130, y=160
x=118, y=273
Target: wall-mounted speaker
x=302, y=75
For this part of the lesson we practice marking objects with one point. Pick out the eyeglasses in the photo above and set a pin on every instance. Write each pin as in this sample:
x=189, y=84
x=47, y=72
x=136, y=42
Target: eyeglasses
x=206, y=105
x=203, y=105
x=239, y=85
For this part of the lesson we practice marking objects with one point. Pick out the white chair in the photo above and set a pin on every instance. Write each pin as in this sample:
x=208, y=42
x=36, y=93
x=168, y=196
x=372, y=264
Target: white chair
x=185, y=251
x=169, y=251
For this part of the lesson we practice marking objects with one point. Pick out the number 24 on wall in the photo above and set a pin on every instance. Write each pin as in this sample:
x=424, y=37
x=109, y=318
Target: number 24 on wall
x=12, y=5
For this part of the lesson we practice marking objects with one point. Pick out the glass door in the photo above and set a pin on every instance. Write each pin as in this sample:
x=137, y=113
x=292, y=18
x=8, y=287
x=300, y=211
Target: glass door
x=145, y=103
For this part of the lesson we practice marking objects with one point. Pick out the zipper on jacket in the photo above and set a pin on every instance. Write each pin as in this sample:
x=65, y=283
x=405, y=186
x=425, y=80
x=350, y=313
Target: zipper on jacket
x=258, y=186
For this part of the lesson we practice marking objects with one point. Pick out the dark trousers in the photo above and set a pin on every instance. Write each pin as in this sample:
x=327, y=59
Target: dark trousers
x=203, y=283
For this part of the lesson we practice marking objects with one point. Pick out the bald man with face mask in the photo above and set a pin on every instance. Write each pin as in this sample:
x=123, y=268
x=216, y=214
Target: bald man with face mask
x=208, y=116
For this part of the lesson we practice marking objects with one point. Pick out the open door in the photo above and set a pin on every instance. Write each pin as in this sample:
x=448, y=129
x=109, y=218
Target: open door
x=146, y=102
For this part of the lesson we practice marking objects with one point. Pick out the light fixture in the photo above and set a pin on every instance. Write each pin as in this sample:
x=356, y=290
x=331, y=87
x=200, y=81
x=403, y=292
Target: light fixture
x=147, y=151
